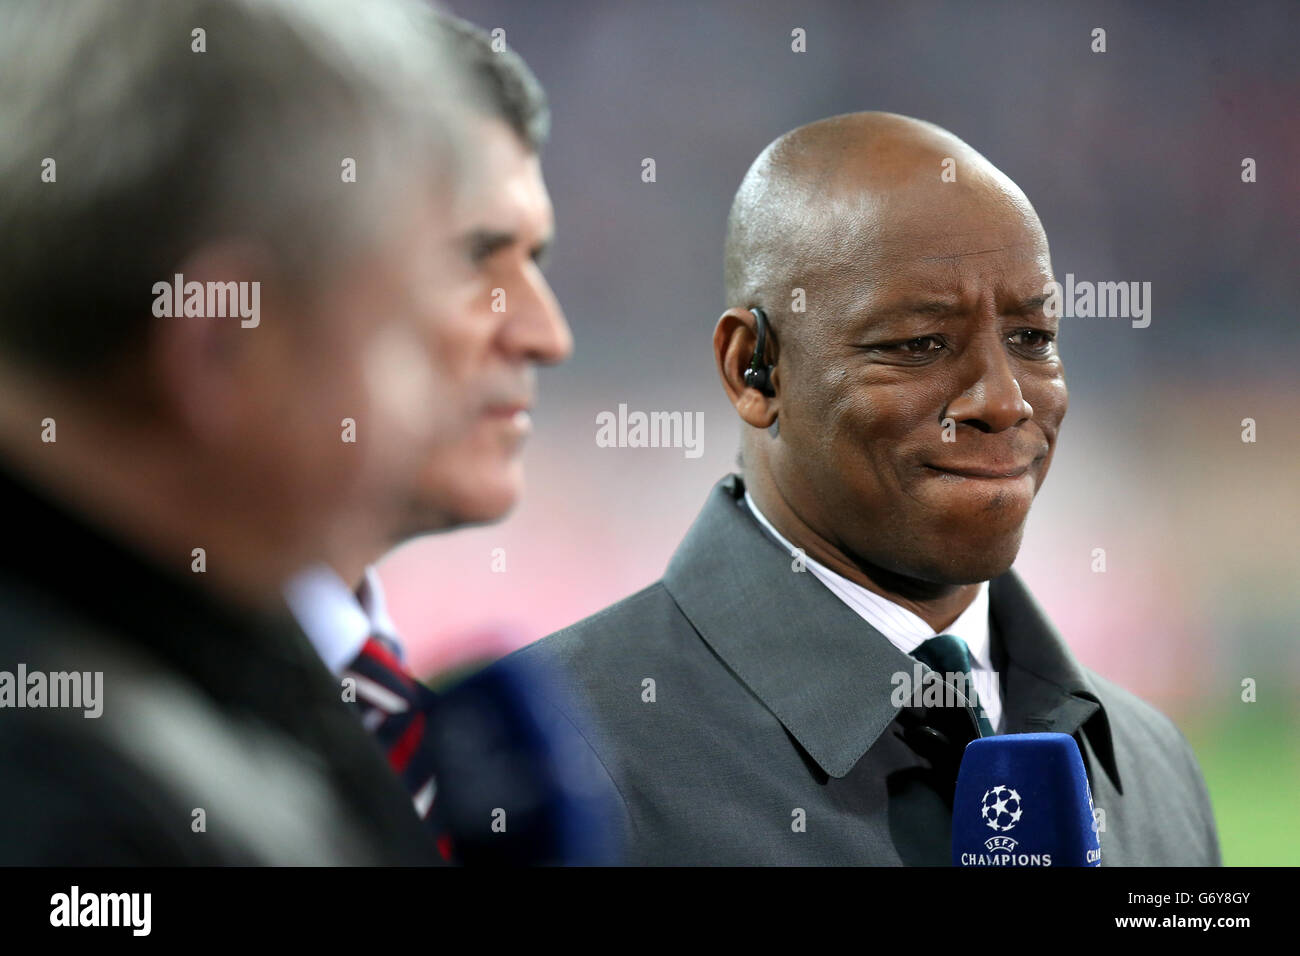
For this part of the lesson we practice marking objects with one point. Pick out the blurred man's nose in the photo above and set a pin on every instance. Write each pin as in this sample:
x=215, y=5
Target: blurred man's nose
x=536, y=329
x=992, y=400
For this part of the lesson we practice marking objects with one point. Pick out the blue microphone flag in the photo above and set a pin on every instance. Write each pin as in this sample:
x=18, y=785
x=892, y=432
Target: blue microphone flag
x=1023, y=800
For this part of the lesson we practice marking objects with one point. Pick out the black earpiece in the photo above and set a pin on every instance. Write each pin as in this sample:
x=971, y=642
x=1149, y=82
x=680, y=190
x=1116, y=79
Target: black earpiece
x=759, y=374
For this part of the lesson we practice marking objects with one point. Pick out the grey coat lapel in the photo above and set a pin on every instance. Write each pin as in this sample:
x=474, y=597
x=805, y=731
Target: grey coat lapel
x=823, y=671
x=1045, y=689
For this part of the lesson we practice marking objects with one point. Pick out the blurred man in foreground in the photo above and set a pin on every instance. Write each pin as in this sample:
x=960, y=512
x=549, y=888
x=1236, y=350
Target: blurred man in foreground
x=478, y=760
x=888, y=348
x=226, y=274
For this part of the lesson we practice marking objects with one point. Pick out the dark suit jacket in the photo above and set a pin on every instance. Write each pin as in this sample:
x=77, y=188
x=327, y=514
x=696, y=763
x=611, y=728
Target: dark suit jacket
x=204, y=708
x=771, y=702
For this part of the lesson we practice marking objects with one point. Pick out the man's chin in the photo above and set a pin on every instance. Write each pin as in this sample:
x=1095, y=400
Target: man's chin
x=948, y=559
x=970, y=566
x=485, y=511
x=481, y=501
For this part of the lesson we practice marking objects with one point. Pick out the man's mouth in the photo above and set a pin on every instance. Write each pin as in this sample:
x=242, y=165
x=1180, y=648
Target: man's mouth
x=507, y=411
x=515, y=416
x=985, y=471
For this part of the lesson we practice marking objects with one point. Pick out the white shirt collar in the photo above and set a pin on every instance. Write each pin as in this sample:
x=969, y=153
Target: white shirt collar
x=370, y=593
x=904, y=628
x=330, y=615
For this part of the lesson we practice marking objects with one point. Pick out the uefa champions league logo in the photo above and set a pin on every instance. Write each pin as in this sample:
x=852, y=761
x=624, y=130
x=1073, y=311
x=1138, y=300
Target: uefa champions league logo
x=1001, y=808
x=1094, y=855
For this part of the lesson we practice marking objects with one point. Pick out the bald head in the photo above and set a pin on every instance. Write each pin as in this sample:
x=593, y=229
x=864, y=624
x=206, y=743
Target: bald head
x=917, y=400
x=833, y=194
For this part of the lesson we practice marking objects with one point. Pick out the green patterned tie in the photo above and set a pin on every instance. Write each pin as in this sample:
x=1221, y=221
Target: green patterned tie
x=950, y=655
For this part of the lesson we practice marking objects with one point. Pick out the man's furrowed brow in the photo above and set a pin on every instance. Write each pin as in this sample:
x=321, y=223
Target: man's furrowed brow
x=947, y=308
x=938, y=308
x=874, y=318
x=1034, y=303
x=482, y=244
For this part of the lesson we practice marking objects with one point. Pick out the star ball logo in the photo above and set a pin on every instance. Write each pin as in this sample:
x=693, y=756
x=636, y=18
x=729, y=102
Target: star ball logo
x=1001, y=808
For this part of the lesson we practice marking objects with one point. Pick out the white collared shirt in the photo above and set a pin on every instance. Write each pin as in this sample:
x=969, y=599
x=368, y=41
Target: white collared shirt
x=370, y=594
x=336, y=621
x=904, y=628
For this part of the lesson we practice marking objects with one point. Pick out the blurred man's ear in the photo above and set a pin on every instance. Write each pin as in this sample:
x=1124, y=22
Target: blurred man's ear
x=733, y=348
x=203, y=368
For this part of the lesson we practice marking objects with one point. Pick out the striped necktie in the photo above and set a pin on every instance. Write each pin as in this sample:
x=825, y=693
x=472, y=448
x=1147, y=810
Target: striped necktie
x=394, y=707
x=948, y=654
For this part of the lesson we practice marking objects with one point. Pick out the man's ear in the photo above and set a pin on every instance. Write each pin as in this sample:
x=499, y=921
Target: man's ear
x=733, y=348
x=200, y=363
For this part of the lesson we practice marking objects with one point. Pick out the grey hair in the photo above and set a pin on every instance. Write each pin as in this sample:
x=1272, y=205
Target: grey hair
x=160, y=148
x=508, y=89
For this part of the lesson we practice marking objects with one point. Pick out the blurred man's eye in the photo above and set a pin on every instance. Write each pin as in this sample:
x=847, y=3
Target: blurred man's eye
x=480, y=253
x=482, y=246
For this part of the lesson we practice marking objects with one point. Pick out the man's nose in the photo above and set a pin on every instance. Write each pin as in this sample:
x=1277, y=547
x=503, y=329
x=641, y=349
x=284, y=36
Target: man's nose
x=535, y=329
x=992, y=400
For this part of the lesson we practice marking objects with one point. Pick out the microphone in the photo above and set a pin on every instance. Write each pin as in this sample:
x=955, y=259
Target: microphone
x=515, y=784
x=1023, y=800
